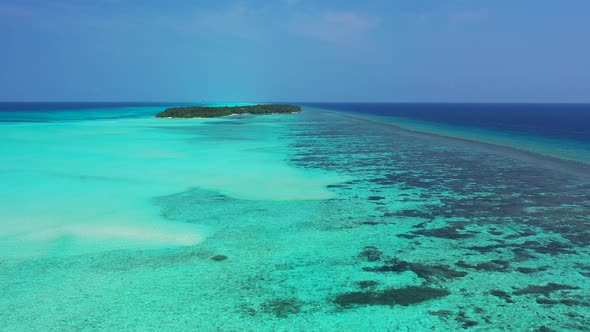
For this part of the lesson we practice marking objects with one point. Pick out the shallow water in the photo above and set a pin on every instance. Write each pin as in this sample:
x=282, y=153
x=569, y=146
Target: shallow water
x=315, y=221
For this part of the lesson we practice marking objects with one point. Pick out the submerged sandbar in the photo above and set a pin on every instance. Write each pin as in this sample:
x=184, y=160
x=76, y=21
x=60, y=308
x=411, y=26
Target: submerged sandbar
x=215, y=112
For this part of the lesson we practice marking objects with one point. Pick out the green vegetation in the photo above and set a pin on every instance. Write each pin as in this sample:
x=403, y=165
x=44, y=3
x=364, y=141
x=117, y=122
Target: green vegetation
x=214, y=112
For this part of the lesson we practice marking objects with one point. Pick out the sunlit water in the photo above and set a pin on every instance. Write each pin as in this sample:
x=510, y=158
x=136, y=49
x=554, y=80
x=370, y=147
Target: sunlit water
x=311, y=221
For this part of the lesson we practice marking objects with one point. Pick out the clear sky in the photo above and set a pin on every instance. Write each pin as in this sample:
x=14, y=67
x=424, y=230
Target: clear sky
x=295, y=50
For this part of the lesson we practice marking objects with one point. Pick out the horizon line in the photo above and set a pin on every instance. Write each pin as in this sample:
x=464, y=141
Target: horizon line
x=309, y=102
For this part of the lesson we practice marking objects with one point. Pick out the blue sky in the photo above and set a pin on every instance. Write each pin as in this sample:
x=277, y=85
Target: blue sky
x=295, y=50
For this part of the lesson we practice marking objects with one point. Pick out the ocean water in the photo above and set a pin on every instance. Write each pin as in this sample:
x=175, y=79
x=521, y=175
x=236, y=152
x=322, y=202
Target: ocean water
x=342, y=219
x=559, y=130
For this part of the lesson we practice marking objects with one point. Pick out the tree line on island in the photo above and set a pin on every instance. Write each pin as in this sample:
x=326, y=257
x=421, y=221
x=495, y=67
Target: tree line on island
x=214, y=112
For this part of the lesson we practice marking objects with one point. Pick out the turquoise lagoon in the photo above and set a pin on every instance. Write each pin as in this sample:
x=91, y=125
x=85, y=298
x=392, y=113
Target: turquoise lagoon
x=317, y=221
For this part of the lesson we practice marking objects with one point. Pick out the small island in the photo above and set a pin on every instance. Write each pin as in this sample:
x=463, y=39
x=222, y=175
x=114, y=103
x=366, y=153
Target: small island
x=215, y=112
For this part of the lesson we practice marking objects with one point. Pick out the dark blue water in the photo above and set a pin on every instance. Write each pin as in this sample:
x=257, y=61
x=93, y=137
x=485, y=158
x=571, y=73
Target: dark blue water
x=55, y=106
x=571, y=121
x=76, y=111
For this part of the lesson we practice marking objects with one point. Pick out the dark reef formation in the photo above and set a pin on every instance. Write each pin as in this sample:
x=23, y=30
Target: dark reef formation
x=394, y=296
x=424, y=271
x=282, y=308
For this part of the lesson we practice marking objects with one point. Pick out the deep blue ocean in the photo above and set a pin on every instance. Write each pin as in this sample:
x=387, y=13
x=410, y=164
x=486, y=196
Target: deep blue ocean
x=75, y=111
x=571, y=121
x=54, y=106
